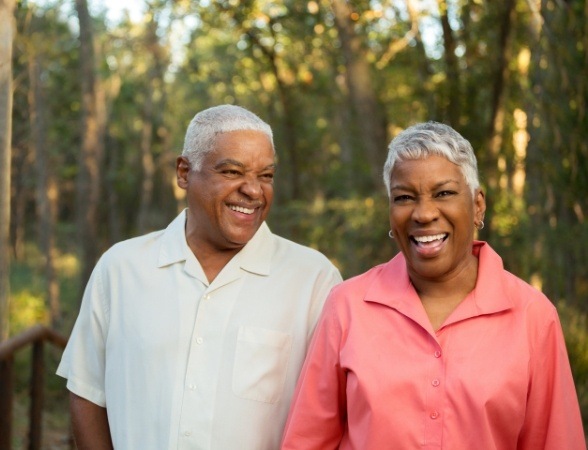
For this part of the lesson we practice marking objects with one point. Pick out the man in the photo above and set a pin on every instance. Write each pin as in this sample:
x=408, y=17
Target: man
x=193, y=337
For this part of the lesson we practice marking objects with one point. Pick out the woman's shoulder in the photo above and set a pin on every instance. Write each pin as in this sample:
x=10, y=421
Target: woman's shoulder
x=528, y=298
x=354, y=290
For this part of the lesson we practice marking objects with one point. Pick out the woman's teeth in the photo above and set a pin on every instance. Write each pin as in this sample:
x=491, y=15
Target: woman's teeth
x=426, y=239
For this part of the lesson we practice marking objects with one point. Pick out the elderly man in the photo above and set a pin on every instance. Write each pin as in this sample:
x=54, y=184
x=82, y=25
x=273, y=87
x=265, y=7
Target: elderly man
x=193, y=337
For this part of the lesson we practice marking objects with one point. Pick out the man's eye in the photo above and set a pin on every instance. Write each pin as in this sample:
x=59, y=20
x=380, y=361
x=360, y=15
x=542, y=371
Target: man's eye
x=267, y=176
x=231, y=172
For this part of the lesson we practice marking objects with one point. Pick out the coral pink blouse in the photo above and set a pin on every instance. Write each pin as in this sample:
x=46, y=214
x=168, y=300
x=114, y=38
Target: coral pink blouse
x=496, y=374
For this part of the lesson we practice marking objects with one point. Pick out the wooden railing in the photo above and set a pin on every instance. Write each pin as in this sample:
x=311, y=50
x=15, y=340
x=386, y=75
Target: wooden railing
x=35, y=336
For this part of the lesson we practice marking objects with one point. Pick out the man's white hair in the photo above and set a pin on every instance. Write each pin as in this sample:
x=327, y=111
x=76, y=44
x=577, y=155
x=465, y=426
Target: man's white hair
x=206, y=125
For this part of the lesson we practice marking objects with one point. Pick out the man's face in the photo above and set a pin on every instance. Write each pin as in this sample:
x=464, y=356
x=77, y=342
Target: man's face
x=230, y=196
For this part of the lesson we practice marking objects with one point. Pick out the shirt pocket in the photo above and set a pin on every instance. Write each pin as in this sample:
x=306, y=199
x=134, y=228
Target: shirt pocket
x=261, y=364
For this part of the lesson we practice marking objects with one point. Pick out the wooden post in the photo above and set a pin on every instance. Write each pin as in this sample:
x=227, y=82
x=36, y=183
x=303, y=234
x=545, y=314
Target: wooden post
x=36, y=406
x=6, y=388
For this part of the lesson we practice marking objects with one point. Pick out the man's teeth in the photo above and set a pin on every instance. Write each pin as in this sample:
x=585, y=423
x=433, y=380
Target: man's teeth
x=241, y=209
x=424, y=239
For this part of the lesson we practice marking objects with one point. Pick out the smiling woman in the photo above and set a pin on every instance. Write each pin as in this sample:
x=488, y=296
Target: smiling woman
x=438, y=347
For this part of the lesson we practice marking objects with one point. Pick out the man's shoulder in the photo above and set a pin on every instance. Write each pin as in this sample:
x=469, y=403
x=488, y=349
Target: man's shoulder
x=298, y=252
x=135, y=247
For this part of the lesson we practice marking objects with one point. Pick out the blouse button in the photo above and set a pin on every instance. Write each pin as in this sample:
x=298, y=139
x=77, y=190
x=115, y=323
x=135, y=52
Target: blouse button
x=438, y=354
x=434, y=415
x=435, y=382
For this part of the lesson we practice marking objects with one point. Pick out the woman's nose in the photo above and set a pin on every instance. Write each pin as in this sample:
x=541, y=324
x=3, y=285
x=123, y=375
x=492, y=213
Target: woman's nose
x=425, y=211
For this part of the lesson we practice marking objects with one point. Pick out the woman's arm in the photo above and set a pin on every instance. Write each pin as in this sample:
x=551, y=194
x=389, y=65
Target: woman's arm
x=317, y=413
x=89, y=424
x=553, y=418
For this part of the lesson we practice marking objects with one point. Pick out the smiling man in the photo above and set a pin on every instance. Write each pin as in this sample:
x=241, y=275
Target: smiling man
x=193, y=336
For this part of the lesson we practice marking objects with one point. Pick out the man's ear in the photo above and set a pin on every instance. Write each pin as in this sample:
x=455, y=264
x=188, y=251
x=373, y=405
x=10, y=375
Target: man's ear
x=182, y=170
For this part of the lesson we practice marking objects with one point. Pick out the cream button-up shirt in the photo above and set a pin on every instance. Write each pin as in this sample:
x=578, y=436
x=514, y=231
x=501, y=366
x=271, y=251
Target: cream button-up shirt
x=183, y=364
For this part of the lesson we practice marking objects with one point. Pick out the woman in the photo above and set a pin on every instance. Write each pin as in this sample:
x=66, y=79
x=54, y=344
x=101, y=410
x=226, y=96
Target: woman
x=440, y=348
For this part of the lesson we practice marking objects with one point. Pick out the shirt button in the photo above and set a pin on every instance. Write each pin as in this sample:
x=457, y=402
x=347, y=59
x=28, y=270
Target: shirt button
x=207, y=297
x=438, y=354
x=187, y=433
x=199, y=340
x=434, y=415
x=435, y=382
x=191, y=387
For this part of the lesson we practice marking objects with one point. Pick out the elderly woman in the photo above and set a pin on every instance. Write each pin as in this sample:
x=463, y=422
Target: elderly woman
x=439, y=348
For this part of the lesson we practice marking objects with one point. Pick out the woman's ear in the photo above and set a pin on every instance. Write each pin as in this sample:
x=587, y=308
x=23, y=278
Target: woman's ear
x=479, y=205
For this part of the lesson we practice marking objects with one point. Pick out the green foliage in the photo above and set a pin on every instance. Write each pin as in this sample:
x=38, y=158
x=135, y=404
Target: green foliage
x=353, y=233
x=575, y=325
x=285, y=61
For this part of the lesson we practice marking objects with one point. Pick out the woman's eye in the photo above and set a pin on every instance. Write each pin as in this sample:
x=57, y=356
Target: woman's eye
x=402, y=198
x=445, y=193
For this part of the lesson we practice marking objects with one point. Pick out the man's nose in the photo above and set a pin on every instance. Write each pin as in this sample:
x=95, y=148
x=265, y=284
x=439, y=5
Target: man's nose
x=251, y=187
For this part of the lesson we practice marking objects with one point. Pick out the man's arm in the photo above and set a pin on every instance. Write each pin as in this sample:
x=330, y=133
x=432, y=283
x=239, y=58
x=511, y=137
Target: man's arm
x=89, y=424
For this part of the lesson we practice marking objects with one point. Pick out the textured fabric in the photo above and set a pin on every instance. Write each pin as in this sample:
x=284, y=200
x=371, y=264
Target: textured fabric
x=494, y=376
x=179, y=363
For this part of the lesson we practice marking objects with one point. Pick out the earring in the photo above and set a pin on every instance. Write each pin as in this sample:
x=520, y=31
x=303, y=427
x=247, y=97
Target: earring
x=390, y=235
x=480, y=225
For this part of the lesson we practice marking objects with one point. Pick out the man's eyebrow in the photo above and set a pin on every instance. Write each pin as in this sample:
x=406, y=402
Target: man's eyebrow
x=228, y=162
x=234, y=162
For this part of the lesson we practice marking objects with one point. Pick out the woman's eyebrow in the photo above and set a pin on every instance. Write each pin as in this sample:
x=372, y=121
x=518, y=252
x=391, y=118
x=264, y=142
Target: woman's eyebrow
x=435, y=186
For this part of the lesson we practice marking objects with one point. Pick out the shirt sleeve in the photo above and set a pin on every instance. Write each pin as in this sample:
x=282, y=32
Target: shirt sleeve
x=83, y=361
x=317, y=413
x=553, y=420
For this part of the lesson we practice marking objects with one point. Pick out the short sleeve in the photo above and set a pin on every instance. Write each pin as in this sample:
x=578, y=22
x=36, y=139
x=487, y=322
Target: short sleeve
x=83, y=361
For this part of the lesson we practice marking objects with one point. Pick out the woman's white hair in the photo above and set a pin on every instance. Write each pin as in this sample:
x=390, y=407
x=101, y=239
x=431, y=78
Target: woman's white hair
x=433, y=138
x=207, y=124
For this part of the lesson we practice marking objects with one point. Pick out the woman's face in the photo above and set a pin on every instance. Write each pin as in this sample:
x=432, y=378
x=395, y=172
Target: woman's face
x=433, y=216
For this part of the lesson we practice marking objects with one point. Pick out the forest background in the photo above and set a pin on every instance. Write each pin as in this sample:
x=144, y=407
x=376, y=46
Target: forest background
x=100, y=105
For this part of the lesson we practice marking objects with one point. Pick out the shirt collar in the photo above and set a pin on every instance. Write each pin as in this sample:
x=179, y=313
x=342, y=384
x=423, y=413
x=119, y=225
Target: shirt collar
x=394, y=288
x=255, y=257
x=173, y=243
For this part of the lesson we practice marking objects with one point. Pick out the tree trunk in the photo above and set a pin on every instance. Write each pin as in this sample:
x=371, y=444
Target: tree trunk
x=425, y=71
x=88, y=179
x=46, y=187
x=146, y=144
x=288, y=104
x=496, y=123
x=452, y=71
x=500, y=79
x=370, y=120
x=6, y=38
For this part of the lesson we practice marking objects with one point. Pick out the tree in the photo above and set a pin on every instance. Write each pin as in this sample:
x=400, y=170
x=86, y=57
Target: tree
x=371, y=122
x=88, y=180
x=6, y=38
x=46, y=186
